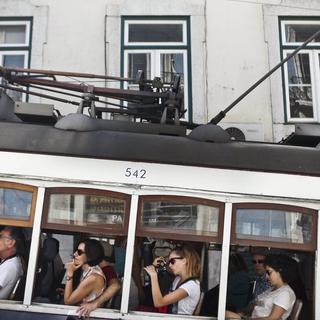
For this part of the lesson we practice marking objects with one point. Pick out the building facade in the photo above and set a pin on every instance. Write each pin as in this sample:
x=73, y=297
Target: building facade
x=220, y=48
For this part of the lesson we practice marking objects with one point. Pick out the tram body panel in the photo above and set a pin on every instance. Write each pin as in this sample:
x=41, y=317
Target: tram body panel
x=160, y=176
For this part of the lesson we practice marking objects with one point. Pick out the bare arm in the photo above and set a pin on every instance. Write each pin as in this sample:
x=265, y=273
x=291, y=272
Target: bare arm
x=158, y=299
x=112, y=289
x=83, y=290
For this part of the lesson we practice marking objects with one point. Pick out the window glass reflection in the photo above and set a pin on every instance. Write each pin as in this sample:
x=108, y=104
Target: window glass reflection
x=12, y=34
x=300, y=89
x=15, y=204
x=273, y=225
x=155, y=32
x=168, y=215
x=82, y=209
x=139, y=61
x=301, y=32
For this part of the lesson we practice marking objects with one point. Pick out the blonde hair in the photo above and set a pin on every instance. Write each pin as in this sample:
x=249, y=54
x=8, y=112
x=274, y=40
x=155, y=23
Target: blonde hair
x=192, y=258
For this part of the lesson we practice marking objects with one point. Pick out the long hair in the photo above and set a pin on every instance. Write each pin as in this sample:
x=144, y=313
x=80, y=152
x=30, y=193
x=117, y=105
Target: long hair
x=192, y=258
x=94, y=251
x=282, y=264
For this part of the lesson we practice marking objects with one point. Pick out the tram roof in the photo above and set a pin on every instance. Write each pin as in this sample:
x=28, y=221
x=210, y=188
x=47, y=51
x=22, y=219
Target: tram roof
x=156, y=148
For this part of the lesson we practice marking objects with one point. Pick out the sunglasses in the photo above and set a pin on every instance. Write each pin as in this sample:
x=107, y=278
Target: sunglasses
x=173, y=260
x=268, y=272
x=259, y=261
x=79, y=252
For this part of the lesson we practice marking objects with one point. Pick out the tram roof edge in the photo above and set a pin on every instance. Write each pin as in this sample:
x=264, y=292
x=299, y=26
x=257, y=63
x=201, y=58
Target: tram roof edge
x=154, y=148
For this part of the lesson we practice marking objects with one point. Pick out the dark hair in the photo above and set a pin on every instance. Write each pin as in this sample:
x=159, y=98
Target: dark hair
x=94, y=251
x=18, y=236
x=282, y=264
x=237, y=263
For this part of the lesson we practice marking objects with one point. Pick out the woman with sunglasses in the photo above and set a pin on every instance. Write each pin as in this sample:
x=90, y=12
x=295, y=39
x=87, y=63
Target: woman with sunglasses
x=92, y=282
x=277, y=302
x=184, y=263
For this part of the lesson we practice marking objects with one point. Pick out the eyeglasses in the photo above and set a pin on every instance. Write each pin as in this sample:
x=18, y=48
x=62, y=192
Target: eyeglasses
x=259, y=261
x=268, y=272
x=79, y=252
x=3, y=236
x=173, y=260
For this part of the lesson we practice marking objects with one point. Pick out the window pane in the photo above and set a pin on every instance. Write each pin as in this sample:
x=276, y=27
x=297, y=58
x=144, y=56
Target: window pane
x=139, y=61
x=300, y=90
x=14, y=61
x=301, y=32
x=299, y=69
x=301, y=105
x=12, y=34
x=15, y=204
x=170, y=215
x=273, y=225
x=171, y=64
x=81, y=210
x=154, y=32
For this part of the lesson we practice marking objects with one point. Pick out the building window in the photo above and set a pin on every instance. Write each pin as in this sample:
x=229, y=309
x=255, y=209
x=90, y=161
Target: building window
x=301, y=72
x=160, y=48
x=15, y=46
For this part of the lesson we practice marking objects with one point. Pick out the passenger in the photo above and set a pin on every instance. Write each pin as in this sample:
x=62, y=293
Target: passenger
x=238, y=289
x=92, y=282
x=51, y=271
x=184, y=262
x=277, y=302
x=113, y=286
x=10, y=263
x=261, y=283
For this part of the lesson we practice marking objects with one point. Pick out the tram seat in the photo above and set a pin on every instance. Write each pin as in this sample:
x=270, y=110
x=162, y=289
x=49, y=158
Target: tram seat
x=199, y=305
x=18, y=290
x=294, y=315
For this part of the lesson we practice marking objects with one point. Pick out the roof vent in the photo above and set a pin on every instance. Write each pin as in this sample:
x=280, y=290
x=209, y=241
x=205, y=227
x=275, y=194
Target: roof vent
x=209, y=133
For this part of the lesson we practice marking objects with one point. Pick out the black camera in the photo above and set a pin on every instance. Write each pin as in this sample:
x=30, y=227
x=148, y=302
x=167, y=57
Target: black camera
x=161, y=266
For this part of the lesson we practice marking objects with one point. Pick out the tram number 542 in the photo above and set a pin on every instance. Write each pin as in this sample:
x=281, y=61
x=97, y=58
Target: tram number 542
x=137, y=173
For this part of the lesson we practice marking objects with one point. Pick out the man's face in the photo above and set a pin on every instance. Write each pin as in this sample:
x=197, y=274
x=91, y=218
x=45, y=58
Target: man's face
x=258, y=261
x=6, y=242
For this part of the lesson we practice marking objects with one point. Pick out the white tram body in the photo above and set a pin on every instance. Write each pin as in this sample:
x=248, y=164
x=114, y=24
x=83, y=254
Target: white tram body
x=133, y=166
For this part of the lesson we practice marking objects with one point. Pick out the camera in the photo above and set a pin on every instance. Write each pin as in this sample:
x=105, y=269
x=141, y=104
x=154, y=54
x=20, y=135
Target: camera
x=161, y=266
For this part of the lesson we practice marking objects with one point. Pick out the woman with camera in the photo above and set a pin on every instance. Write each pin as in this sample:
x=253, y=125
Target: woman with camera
x=184, y=263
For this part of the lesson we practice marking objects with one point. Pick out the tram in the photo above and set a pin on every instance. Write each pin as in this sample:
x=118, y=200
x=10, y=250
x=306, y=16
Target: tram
x=155, y=185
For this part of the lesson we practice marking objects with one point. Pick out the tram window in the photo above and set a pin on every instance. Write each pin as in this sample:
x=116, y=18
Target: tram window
x=56, y=250
x=189, y=216
x=284, y=226
x=168, y=222
x=87, y=209
x=147, y=249
x=17, y=204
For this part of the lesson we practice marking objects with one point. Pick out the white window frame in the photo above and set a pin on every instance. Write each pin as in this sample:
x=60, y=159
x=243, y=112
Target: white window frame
x=315, y=78
x=177, y=22
x=17, y=23
x=314, y=60
x=297, y=22
x=156, y=67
